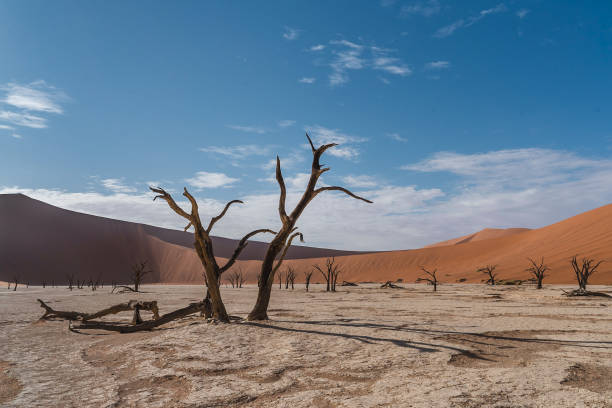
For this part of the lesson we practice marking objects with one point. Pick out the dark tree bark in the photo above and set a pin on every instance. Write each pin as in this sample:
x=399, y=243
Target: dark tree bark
x=307, y=276
x=432, y=279
x=281, y=242
x=330, y=274
x=143, y=325
x=204, y=246
x=135, y=305
x=15, y=282
x=585, y=271
x=139, y=271
x=538, y=270
x=490, y=271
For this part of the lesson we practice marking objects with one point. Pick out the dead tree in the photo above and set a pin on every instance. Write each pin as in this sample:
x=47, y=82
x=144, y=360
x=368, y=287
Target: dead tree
x=330, y=274
x=280, y=280
x=583, y=273
x=204, y=246
x=236, y=278
x=290, y=277
x=538, y=270
x=490, y=271
x=139, y=271
x=277, y=248
x=432, y=279
x=307, y=276
x=15, y=282
x=70, y=279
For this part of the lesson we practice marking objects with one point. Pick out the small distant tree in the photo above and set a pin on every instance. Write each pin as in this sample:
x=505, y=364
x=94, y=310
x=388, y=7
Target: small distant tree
x=537, y=269
x=330, y=274
x=139, y=271
x=490, y=271
x=15, y=282
x=290, y=277
x=307, y=276
x=280, y=280
x=44, y=284
x=70, y=279
x=431, y=279
x=236, y=278
x=584, y=271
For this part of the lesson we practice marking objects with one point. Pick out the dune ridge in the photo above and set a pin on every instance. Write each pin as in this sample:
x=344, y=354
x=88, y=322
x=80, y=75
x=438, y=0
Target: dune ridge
x=41, y=242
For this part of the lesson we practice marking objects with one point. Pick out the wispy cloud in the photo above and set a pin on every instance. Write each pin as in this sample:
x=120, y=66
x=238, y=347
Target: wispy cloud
x=361, y=181
x=348, y=55
x=507, y=188
x=17, y=136
x=346, y=143
x=286, y=123
x=36, y=96
x=307, y=80
x=237, y=152
x=203, y=179
x=248, y=129
x=318, y=47
x=24, y=104
x=291, y=33
x=6, y=127
x=117, y=186
x=522, y=13
x=470, y=21
x=23, y=119
x=423, y=8
x=437, y=65
x=397, y=137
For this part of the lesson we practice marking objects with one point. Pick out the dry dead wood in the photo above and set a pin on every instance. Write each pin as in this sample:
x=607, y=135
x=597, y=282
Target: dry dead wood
x=583, y=292
x=122, y=289
x=390, y=285
x=135, y=305
x=140, y=326
x=204, y=246
x=278, y=247
x=347, y=283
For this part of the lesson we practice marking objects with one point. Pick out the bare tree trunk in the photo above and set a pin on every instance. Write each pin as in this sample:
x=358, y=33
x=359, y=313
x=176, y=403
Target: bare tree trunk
x=204, y=247
x=281, y=242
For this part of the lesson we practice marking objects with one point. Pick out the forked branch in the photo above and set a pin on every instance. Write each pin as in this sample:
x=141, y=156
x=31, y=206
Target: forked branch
x=241, y=245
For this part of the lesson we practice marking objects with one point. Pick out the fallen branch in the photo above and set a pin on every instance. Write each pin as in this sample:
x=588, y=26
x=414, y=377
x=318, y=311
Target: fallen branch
x=347, y=283
x=134, y=305
x=390, y=285
x=123, y=289
x=146, y=325
x=583, y=292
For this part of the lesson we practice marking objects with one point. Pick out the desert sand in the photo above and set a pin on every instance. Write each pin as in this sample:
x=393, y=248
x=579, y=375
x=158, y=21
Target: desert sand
x=91, y=247
x=468, y=345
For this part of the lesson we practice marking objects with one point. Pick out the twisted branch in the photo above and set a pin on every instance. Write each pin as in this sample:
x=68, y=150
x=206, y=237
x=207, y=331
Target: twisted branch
x=218, y=217
x=285, y=249
x=241, y=245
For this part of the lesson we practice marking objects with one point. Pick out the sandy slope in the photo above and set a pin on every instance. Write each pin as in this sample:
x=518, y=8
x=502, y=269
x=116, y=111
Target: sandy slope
x=93, y=245
x=41, y=242
x=466, y=346
x=487, y=233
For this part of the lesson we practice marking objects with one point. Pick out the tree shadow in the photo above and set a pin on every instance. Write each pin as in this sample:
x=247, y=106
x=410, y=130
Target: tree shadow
x=478, y=338
x=416, y=345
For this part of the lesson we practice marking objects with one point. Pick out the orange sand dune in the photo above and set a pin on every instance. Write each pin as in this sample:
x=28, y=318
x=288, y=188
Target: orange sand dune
x=487, y=233
x=41, y=242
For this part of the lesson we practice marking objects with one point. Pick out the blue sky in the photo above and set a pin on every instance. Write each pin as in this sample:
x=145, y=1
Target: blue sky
x=451, y=116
